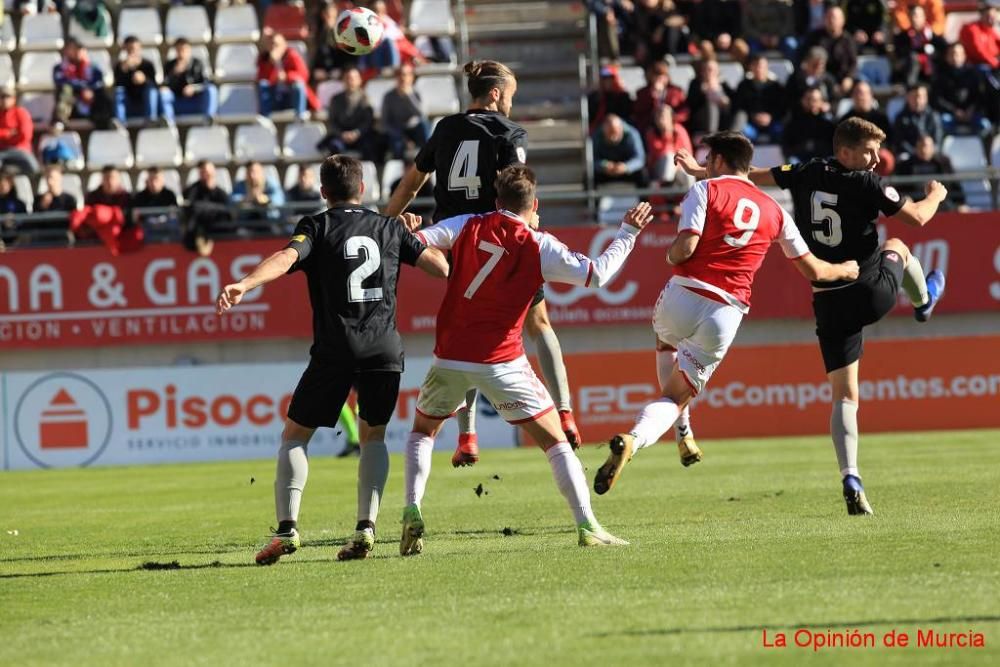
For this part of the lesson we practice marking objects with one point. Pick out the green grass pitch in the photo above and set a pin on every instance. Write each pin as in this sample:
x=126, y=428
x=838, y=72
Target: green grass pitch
x=755, y=537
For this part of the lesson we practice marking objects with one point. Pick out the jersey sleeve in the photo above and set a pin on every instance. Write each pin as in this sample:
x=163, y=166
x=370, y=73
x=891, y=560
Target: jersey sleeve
x=787, y=176
x=562, y=265
x=694, y=208
x=307, y=234
x=790, y=239
x=425, y=160
x=513, y=149
x=410, y=248
x=443, y=234
x=884, y=197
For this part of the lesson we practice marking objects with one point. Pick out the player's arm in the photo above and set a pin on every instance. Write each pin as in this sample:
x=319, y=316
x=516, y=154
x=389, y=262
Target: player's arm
x=270, y=269
x=406, y=191
x=553, y=367
x=918, y=214
x=440, y=236
x=433, y=262
x=686, y=161
x=694, y=208
x=683, y=247
x=810, y=266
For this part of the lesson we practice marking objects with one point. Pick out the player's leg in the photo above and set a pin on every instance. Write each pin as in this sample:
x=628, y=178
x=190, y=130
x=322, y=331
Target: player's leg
x=687, y=448
x=550, y=360
x=467, y=450
x=844, y=431
x=923, y=291
x=348, y=421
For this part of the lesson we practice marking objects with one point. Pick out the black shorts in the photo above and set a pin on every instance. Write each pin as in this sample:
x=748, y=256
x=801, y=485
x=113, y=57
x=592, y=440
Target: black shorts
x=842, y=313
x=324, y=387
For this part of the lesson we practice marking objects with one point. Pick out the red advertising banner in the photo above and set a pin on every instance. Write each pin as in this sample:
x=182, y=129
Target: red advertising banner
x=85, y=297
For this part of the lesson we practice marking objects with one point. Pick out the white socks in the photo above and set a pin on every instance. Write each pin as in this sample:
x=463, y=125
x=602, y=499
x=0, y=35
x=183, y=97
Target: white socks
x=844, y=429
x=914, y=282
x=654, y=420
x=418, y=466
x=373, y=471
x=665, y=360
x=572, y=481
x=290, y=479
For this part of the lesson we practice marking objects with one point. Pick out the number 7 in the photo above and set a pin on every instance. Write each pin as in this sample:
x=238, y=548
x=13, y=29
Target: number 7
x=496, y=252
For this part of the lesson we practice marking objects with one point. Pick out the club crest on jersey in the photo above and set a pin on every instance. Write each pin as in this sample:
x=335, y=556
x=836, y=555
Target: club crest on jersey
x=522, y=155
x=892, y=257
x=891, y=193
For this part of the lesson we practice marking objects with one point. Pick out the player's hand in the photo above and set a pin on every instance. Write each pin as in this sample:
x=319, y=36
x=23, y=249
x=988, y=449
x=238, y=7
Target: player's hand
x=411, y=221
x=639, y=215
x=229, y=297
x=685, y=160
x=935, y=188
x=851, y=270
x=569, y=428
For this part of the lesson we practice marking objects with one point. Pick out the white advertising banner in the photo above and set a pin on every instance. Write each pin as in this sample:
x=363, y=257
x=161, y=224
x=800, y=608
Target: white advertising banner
x=134, y=416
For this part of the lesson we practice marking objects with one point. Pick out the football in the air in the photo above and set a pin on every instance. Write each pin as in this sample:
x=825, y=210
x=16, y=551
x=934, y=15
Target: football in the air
x=359, y=31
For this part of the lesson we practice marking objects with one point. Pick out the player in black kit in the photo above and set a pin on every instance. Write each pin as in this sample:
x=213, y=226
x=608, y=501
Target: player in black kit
x=351, y=259
x=837, y=205
x=465, y=152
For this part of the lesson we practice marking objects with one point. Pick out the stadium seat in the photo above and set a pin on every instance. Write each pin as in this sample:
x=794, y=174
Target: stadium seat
x=199, y=51
x=876, y=70
x=189, y=21
x=376, y=89
x=781, y=69
x=237, y=102
x=391, y=172
x=292, y=174
x=8, y=41
x=207, y=143
x=289, y=19
x=236, y=23
x=72, y=184
x=301, y=140
x=35, y=70
x=7, y=77
x=158, y=146
x=953, y=22
x=326, y=90
x=431, y=17
x=843, y=106
x=611, y=208
x=257, y=141
x=894, y=106
x=171, y=181
x=41, y=32
x=995, y=151
x=732, y=73
x=88, y=38
x=102, y=59
x=768, y=156
x=236, y=62
x=22, y=186
x=438, y=94
x=109, y=147
x=369, y=176
x=633, y=78
x=40, y=106
x=302, y=48
x=141, y=22
x=681, y=76
x=73, y=140
x=967, y=154
x=782, y=197
x=223, y=179
x=94, y=181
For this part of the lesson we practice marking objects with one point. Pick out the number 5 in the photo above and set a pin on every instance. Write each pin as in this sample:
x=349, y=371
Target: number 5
x=496, y=252
x=821, y=215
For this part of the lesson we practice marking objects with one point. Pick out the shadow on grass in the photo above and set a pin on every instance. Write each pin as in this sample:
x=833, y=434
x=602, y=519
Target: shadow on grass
x=653, y=632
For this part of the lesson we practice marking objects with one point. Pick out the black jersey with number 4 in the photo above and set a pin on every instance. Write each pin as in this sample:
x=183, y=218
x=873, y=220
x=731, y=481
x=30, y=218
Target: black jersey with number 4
x=351, y=259
x=465, y=152
x=836, y=210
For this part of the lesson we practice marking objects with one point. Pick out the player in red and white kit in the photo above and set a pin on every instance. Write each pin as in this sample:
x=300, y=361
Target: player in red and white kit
x=727, y=226
x=498, y=263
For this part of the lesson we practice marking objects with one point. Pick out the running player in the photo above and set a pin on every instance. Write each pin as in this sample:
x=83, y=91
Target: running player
x=498, y=263
x=837, y=204
x=351, y=259
x=465, y=152
x=727, y=226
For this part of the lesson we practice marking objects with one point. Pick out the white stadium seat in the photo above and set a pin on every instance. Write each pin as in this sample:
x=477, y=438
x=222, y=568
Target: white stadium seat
x=189, y=21
x=94, y=181
x=257, y=141
x=236, y=23
x=391, y=172
x=71, y=183
x=237, y=102
x=140, y=22
x=768, y=156
x=222, y=177
x=326, y=90
x=101, y=58
x=7, y=77
x=8, y=41
x=22, y=186
x=109, y=147
x=41, y=32
x=369, y=175
x=75, y=143
x=967, y=154
x=953, y=22
x=88, y=38
x=301, y=140
x=375, y=90
x=781, y=69
x=431, y=17
x=681, y=76
x=438, y=94
x=995, y=151
x=236, y=62
x=158, y=146
x=171, y=181
x=207, y=143
x=39, y=105
x=35, y=70
x=612, y=207
x=633, y=78
x=732, y=73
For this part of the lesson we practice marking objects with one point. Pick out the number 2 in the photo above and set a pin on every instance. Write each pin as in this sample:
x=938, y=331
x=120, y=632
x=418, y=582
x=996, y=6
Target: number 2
x=496, y=252
x=373, y=258
x=748, y=227
x=464, y=173
x=821, y=215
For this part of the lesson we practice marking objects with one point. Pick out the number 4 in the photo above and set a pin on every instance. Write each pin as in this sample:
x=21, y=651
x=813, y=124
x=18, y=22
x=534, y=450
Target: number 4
x=465, y=169
x=496, y=252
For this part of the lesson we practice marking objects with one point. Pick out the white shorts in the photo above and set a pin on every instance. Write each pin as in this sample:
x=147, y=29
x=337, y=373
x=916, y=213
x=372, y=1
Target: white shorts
x=511, y=387
x=699, y=328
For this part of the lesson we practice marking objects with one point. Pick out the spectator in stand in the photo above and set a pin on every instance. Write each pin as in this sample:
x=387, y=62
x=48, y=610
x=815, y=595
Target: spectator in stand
x=769, y=25
x=403, y=118
x=811, y=74
x=257, y=188
x=408, y=52
x=981, y=38
x=136, y=95
x=155, y=195
x=188, y=92
x=933, y=10
x=717, y=26
x=915, y=120
x=809, y=132
x=618, y=153
x=9, y=203
x=659, y=29
x=610, y=97
x=16, y=131
x=917, y=50
x=866, y=21
x=926, y=161
x=663, y=140
x=809, y=15
x=208, y=210
x=351, y=120
x=709, y=100
x=759, y=102
x=863, y=106
x=79, y=85
x=110, y=191
x=840, y=48
x=959, y=93
x=387, y=55
x=305, y=189
x=54, y=198
x=328, y=60
x=609, y=27
x=281, y=78
x=657, y=92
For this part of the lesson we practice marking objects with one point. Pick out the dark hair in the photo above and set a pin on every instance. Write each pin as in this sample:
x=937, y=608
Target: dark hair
x=340, y=176
x=485, y=75
x=810, y=89
x=131, y=39
x=72, y=41
x=755, y=58
x=734, y=148
x=203, y=163
x=108, y=168
x=916, y=86
x=855, y=131
x=181, y=41
x=516, y=188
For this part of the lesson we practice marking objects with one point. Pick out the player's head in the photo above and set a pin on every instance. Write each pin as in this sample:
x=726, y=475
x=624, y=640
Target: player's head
x=340, y=180
x=856, y=143
x=516, y=190
x=729, y=153
x=491, y=84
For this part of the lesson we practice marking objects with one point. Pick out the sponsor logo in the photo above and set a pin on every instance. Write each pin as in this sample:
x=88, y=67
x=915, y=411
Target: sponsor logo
x=694, y=362
x=522, y=155
x=298, y=238
x=62, y=419
x=891, y=193
x=892, y=257
x=511, y=405
x=786, y=167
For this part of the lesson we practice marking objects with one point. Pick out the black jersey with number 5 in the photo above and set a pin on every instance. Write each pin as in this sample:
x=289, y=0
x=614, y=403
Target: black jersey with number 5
x=465, y=152
x=351, y=259
x=836, y=210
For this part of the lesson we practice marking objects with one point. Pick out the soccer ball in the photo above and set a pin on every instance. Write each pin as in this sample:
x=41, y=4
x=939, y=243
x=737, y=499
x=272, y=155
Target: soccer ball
x=358, y=31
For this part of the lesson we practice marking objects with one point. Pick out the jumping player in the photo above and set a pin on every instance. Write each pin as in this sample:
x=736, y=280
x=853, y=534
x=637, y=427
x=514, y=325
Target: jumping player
x=837, y=204
x=498, y=263
x=465, y=152
x=727, y=226
x=351, y=259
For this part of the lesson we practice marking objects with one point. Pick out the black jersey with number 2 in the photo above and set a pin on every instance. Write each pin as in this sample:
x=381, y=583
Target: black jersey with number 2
x=836, y=210
x=351, y=259
x=465, y=152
